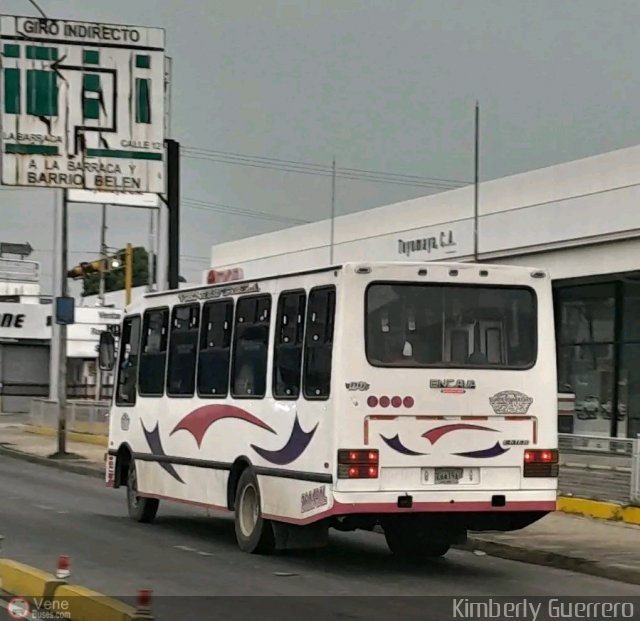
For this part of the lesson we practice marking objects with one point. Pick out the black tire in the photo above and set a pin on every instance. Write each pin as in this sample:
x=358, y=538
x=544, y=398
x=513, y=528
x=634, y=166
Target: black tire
x=410, y=545
x=254, y=534
x=140, y=509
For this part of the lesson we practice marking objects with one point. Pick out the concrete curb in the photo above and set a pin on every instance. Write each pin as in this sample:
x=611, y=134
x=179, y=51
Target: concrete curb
x=72, y=436
x=76, y=467
x=81, y=604
x=26, y=581
x=600, y=510
x=553, y=559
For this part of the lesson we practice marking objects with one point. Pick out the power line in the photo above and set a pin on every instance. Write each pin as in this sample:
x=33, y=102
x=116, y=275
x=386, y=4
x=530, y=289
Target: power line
x=355, y=174
x=194, y=203
x=309, y=166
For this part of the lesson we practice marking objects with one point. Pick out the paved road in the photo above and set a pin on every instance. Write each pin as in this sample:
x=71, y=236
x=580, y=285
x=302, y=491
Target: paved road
x=45, y=512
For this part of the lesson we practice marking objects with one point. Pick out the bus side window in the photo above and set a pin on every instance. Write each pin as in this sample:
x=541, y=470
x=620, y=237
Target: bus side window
x=251, y=347
x=153, y=355
x=318, y=346
x=215, y=349
x=287, y=354
x=183, y=350
x=128, y=362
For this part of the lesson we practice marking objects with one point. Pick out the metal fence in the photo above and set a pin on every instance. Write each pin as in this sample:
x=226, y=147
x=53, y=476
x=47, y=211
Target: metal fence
x=82, y=416
x=635, y=473
x=595, y=444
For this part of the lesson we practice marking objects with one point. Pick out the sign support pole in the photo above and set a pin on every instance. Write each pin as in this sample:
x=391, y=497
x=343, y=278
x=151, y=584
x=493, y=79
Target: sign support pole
x=476, y=185
x=62, y=334
x=173, y=204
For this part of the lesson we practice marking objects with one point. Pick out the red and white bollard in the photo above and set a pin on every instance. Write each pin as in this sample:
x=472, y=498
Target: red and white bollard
x=63, y=567
x=143, y=605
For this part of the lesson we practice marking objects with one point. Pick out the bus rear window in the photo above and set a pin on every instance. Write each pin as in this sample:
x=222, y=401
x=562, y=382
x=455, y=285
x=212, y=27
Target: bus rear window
x=461, y=326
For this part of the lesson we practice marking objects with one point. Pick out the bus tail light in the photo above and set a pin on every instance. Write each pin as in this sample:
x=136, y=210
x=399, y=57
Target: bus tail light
x=540, y=463
x=358, y=463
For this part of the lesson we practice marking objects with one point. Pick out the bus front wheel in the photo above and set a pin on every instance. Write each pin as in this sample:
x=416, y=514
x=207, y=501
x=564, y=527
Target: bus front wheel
x=411, y=544
x=140, y=509
x=254, y=534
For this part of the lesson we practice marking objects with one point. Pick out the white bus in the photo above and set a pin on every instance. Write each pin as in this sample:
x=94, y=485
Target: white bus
x=416, y=398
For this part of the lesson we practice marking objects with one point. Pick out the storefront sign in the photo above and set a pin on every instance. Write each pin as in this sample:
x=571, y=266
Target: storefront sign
x=24, y=321
x=442, y=241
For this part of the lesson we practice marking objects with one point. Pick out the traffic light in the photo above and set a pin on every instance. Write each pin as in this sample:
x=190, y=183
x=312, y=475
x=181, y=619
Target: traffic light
x=84, y=269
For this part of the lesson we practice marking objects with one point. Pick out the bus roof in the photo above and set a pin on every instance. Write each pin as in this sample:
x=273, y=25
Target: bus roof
x=346, y=265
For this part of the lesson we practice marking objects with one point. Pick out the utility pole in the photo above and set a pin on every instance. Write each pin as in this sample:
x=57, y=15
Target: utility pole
x=476, y=185
x=150, y=253
x=128, y=274
x=333, y=209
x=103, y=255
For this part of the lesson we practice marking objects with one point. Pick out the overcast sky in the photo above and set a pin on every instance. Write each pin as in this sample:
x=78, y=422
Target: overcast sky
x=380, y=84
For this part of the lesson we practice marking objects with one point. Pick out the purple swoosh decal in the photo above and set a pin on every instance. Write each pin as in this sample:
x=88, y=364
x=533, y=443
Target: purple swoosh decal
x=494, y=451
x=396, y=445
x=155, y=444
x=295, y=446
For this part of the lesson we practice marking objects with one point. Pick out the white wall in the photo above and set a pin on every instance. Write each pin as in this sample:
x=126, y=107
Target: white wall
x=585, y=201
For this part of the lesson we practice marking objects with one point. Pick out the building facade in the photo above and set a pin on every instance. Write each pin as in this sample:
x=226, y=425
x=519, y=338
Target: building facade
x=579, y=220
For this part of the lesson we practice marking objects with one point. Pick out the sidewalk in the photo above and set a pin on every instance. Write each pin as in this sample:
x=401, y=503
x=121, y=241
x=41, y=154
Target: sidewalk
x=89, y=458
x=599, y=547
x=587, y=545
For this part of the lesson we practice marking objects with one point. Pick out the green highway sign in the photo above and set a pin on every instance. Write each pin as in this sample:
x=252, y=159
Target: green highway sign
x=82, y=105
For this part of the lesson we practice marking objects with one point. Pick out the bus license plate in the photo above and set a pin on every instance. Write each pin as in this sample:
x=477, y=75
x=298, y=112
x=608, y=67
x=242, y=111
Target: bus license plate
x=447, y=476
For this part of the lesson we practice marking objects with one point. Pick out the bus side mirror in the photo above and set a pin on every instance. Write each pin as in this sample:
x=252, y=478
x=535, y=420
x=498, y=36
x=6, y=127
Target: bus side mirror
x=106, y=351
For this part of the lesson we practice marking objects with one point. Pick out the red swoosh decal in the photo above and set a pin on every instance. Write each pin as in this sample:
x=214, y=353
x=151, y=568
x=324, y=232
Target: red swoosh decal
x=198, y=422
x=433, y=435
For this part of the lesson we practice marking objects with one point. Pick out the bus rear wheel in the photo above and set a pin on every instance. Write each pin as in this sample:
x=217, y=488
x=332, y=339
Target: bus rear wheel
x=254, y=534
x=411, y=544
x=140, y=509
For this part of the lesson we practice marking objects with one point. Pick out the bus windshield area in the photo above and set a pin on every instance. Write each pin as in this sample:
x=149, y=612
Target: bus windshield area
x=461, y=326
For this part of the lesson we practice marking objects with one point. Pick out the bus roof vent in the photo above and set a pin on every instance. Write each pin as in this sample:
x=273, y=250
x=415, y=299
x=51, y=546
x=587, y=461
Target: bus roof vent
x=363, y=269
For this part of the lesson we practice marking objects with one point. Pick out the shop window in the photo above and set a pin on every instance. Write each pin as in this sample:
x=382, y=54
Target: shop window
x=215, y=349
x=629, y=391
x=631, y=312
x=586, y=314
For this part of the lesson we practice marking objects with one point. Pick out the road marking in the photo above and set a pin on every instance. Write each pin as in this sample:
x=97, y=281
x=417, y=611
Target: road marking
x=205, y=554
x=185, y=548
x=44, y=507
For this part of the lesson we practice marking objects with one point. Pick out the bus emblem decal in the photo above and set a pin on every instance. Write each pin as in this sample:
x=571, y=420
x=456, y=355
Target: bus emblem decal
x=354, y=386
x=510, y=402
x=313, y=499
x=297, y=443
x=452, y=383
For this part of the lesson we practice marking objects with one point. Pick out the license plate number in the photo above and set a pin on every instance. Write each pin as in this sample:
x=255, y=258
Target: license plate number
x=448, y=476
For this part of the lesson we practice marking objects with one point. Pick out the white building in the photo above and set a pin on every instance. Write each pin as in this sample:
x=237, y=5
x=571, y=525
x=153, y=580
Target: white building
x=580, y=220
x=25, y=336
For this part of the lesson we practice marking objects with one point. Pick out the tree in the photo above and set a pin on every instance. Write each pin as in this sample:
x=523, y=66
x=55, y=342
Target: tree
x=114, y=278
